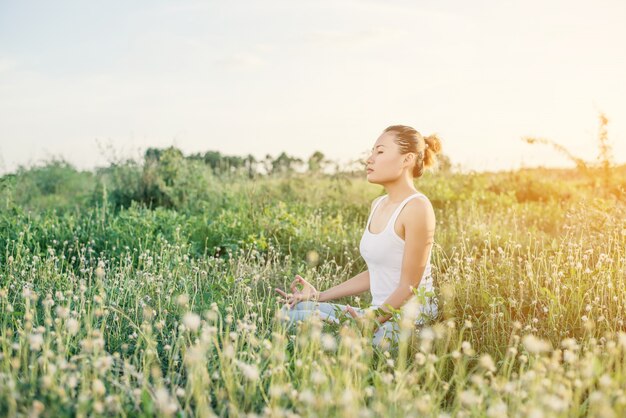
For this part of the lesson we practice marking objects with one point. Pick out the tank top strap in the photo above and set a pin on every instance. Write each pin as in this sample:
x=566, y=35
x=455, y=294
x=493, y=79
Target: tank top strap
x=380, y=199
x=396, y=212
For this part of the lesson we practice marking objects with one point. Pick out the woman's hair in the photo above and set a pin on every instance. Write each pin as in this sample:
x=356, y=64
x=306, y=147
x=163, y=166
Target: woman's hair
x=410, y=140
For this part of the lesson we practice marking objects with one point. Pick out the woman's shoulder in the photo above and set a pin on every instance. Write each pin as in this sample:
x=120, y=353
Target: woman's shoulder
x=417, y=206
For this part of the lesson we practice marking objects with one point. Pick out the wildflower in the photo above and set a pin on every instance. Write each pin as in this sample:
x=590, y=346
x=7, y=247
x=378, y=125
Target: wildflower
x=191, y=321
x=307, y=397
x=328, y=342
x=103, y=364
x=605, y=381
x=229, y=351
x=312, y=257
x=182, y=300
x=164, y=402
x=467, y=349
x=486, y=362
x=420, y=359
x=318, y=377
x=194, y=355
x=469, y=398
x=570, y=344
x=250, y=371
x=36, y=341
x=497, y=409
x=37, y=409
x=100, y=270
x=98, y=387
x=72, y=326
x=569, y=356
x=535, y=345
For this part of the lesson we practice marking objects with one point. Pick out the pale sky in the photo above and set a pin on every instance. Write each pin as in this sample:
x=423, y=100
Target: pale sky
x=297, y=76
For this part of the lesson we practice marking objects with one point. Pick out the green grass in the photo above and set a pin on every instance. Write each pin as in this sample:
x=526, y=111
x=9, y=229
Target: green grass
x=114, y=309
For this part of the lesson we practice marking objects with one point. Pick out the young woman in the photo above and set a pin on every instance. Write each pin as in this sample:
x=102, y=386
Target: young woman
x=396, y=244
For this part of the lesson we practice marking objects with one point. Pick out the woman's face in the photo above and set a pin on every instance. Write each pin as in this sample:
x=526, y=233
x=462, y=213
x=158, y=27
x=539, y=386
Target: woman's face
x=385, y=163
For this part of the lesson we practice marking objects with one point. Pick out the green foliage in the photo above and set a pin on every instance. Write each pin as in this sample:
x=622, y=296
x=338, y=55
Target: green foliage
x=155, y=294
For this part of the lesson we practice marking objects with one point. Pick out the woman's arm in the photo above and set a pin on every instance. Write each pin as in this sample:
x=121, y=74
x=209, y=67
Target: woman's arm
x=419, y=237
x=358, y=284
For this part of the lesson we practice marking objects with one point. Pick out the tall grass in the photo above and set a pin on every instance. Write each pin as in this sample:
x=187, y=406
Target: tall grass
x=170, y=311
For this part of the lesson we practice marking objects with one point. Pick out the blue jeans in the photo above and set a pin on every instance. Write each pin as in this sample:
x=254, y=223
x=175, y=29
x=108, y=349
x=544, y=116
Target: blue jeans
x=389, y=330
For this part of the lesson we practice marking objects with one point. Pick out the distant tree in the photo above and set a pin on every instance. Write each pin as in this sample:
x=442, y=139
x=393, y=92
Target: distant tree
x=153, y=154
x=285, y=164
x=267, y=163
x=317, y=162
x=250, y=164
x=214, y=160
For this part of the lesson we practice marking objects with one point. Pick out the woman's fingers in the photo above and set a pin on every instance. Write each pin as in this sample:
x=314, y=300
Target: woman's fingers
x=293, y=284
x=351, y=311
x=280, y=292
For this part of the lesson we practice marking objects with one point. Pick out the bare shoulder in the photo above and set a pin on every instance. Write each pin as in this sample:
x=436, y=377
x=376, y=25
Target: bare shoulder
x=418, y=209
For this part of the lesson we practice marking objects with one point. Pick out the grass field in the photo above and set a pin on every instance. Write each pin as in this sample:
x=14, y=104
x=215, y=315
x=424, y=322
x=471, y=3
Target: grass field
x=124, y=294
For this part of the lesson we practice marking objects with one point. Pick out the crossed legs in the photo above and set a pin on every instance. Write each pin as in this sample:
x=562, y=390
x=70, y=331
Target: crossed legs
x=331, y=312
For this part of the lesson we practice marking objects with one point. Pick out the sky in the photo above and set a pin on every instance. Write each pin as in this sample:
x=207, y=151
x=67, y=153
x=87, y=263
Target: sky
x=92, y=81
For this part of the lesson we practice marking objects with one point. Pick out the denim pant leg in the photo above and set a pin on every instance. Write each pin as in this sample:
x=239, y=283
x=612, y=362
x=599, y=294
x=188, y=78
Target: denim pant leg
x=388, y=331
x=303, y=310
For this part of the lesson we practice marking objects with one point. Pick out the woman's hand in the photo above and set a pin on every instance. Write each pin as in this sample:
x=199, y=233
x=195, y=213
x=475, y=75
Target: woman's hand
x=363, y=321
x=307, y=292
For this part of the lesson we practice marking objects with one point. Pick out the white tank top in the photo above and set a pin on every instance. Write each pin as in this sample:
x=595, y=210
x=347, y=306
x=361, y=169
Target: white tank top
x=383, y=254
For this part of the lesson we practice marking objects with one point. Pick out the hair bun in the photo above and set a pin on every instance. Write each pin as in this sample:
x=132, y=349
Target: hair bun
x=432, y=147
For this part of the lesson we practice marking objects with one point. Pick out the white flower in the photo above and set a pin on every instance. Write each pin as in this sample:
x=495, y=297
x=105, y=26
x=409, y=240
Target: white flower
x=318, y=377
x=307, y=397
x=183, y=300
x=469, y=398
x=191, y=321
x=164, y=403
x=36, y=341
x=328, y=342
x=194, y=355
x=411, y=309
x=486, y=362
x=535, y=345
x=250, y=371
x=466, y=347
x=98, y=387
x=497, y=410
x=569, y=356
x=72, y=326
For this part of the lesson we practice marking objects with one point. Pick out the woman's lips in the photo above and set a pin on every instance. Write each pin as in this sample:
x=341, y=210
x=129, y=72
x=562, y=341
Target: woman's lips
x=369, y=170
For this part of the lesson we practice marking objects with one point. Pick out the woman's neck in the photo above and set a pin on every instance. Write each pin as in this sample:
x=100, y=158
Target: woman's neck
x=399, y=191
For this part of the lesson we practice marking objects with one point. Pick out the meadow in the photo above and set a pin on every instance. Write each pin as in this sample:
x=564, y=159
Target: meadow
x=148, y=291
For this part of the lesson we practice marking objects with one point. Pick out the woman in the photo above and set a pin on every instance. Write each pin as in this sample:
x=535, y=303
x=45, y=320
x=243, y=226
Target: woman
x=396, y=244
